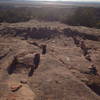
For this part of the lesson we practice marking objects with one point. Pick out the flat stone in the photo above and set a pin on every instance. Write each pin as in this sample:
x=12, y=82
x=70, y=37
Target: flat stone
x=15, y=87
x=23, y=81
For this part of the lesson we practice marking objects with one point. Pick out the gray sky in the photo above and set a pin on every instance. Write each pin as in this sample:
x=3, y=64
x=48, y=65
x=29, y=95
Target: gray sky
x=83, y=0
x=73, y=0
x=58, y=0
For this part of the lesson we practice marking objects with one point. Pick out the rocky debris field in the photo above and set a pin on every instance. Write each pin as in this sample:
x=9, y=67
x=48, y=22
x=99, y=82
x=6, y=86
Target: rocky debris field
x=49, y=61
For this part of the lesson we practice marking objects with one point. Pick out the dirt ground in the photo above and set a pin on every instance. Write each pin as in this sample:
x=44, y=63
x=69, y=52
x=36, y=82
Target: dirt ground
x=64, y=71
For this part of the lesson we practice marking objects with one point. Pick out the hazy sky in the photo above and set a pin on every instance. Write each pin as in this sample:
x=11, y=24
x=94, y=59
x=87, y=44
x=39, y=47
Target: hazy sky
x=82, y=0
x=73, y=0
x=57, y=0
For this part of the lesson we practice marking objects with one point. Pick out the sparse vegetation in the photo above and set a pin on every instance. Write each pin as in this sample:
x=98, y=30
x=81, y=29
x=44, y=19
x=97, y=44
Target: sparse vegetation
x=14, y=15
x=85, y=17
x=74, y=16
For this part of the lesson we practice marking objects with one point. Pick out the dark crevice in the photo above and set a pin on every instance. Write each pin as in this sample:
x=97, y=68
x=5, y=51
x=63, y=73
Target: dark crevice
x=12, y=66
x=35, y=44
x=46, y=33
x=1, y=57
x=44, y=49
x=36, y=62
x=70, y=33
x=92, y=70
x=16, y=64
x=95, y=88
x=34, y=33
x=81, y=44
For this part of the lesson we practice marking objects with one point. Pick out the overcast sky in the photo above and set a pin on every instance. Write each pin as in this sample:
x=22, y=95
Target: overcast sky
x=82, y=0
x=57, y=0
x=70, y=0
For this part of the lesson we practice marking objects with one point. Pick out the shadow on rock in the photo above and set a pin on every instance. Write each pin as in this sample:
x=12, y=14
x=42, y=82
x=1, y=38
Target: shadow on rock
x=12, y=66
x=36, y=62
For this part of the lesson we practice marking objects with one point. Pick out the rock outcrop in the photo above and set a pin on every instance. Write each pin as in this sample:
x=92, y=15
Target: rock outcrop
x=60, y=72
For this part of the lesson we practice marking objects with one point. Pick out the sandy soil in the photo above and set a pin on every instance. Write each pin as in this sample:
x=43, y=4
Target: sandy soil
x=63, y=72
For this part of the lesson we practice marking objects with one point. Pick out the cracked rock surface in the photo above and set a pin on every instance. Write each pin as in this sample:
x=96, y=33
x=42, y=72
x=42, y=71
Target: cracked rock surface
x=63, y=72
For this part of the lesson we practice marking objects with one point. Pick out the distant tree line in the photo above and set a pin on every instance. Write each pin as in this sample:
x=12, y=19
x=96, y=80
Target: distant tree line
x=14, y=15
x=85, y=17
x=74, y=16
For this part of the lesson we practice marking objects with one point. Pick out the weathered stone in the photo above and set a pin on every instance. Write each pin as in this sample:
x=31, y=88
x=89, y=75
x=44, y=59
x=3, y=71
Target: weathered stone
x=15, y=87
x=23, y=81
